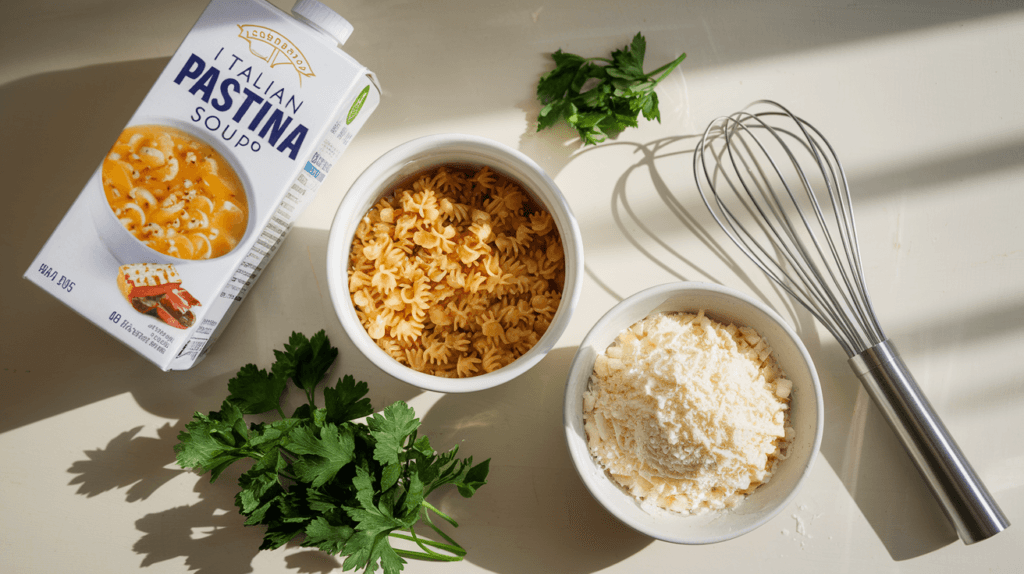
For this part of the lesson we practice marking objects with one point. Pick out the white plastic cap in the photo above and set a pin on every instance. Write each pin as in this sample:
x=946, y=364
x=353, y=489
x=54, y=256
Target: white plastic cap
x=323, y=19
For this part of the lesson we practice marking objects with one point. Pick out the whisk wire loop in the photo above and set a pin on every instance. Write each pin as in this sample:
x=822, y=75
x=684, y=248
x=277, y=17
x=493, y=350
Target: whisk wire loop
x=813, y=256
x=805, y=290
x=803, y=264
x=839, y=195
x=847, y=225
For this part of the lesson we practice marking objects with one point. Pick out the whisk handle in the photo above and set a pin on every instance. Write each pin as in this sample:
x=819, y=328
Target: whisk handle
x=963, y=497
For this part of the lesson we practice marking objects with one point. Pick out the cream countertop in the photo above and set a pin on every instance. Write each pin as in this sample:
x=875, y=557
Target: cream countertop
x=921, y=100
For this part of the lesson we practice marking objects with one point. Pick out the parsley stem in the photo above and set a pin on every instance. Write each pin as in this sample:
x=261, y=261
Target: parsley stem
x=429, y=506
x=424, y=556
x=667, y=68
x=430, y=523
x=456, y=551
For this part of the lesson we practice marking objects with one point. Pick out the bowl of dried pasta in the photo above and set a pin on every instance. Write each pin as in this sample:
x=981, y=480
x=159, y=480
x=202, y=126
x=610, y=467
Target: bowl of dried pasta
x=454, y=263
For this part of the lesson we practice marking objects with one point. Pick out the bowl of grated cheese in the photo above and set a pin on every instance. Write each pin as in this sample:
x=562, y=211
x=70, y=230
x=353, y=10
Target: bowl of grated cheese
x=693, y=413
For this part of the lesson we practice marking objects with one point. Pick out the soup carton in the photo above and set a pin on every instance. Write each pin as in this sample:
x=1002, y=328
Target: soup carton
x=196, y=195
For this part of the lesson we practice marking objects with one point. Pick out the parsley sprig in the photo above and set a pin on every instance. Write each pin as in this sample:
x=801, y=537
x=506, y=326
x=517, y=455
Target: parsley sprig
x=345, y=487
x=617, y=92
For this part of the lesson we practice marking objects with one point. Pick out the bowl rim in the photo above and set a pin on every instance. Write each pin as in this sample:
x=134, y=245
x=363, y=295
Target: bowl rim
x=340, y=238
x=581, y=456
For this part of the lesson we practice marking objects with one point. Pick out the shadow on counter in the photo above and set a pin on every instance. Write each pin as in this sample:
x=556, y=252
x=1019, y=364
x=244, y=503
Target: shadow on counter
x=857, y=442
x=142, y=465
x=208, y=534
x=534, y=510
x=533, y=500
x=58, y=126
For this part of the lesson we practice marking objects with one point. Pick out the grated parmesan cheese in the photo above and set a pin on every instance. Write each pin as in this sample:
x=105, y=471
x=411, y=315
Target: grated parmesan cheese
x=688, y=414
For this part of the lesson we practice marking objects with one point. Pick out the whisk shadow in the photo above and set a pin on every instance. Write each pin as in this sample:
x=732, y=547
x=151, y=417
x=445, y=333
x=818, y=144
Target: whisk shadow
x=628, y=220
x=857, y=443
x=871, y=463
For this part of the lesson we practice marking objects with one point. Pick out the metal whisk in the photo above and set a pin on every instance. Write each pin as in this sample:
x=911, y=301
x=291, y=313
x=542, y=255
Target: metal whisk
x=776, y=187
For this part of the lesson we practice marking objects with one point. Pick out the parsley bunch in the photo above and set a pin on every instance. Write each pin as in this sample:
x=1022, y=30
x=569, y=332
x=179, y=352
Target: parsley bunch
x=346, y=487
x=617, y=92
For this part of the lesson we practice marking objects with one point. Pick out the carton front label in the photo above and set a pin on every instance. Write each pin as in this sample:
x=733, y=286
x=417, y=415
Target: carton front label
x=197, y=193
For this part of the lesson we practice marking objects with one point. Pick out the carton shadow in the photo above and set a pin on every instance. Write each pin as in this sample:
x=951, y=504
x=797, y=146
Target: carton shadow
x=72, y=117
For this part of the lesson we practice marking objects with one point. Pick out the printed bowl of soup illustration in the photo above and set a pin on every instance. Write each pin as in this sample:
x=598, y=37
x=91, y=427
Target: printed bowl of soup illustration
x=169, y=196
x=454, y=263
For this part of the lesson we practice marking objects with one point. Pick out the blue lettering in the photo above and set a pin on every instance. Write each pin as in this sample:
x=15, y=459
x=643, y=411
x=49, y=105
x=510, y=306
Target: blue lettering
x=259, y=116
x=275, y=126
x=206, y=84
x=192, y=68
x=250, y=97
x=225, y=104
x=294, y=141
x=269, y=122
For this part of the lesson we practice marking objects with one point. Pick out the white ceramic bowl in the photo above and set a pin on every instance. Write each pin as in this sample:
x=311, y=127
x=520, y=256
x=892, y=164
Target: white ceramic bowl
x=425, y=153
x=727, y=306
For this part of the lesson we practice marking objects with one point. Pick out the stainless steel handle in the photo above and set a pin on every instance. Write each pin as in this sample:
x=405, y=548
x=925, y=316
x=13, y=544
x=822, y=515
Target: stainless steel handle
x=964, y=499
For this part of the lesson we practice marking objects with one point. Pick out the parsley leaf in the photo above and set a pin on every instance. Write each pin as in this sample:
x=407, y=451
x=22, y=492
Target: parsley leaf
x=305, y=361
x=346, y=401
x=617, y=92
x=254, y=391
x=213, y=442
x=325, y=455
x=339, y=485
x=390, y=429
x=328, y=537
